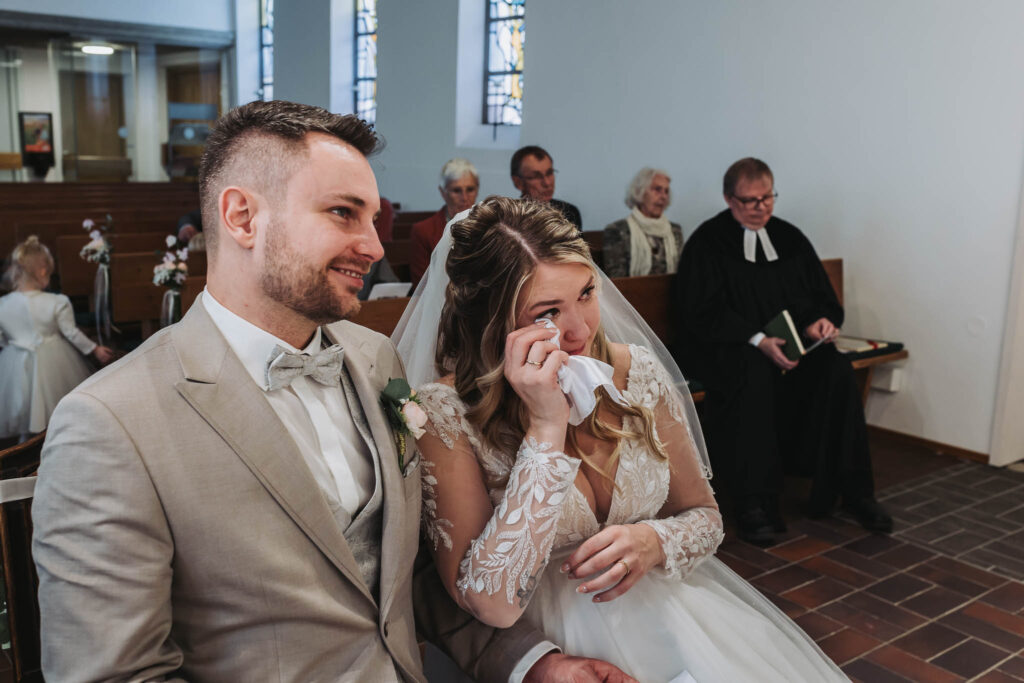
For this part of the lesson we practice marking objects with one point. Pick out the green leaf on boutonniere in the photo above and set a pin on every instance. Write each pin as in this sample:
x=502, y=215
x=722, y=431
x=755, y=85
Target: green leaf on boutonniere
x=396, y=390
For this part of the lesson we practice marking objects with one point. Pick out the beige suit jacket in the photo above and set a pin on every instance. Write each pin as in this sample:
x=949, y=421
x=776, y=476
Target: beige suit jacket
x=179, y=534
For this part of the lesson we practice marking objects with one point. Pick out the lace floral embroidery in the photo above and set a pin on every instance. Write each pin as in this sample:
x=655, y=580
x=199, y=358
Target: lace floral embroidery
x=517, y=540
x=688, y=538
x=435, y=528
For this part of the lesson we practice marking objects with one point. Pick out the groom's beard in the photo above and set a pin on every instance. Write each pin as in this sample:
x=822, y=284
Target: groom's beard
x=292, y=282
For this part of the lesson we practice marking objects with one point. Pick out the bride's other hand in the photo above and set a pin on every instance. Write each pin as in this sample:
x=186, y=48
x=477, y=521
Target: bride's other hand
x=623, y=553
x=531, y=367
x=556, y=667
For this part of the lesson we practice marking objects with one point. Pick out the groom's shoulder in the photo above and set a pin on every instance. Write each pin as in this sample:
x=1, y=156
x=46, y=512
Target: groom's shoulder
x=152, y=363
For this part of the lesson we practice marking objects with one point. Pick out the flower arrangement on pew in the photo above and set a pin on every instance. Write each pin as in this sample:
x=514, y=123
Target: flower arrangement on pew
x=98, y=251
x=171, y=273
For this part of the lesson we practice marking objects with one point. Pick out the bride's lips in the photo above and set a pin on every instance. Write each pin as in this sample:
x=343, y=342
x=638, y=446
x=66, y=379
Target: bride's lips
x=574, y=352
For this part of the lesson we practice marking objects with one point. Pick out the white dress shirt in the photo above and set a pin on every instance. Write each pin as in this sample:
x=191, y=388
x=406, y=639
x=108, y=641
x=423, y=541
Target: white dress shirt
x=316, y=416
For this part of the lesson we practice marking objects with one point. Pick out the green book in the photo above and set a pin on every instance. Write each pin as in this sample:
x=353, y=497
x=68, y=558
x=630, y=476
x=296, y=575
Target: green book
x=782, y=326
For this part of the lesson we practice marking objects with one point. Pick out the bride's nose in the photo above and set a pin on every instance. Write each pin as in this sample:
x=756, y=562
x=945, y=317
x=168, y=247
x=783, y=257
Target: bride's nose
x=574, y=328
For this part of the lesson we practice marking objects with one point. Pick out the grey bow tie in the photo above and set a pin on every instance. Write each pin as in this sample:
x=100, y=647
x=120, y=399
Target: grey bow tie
x=283, y=366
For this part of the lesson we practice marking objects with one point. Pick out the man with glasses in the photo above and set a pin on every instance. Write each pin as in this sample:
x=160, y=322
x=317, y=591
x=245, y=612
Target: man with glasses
x=767, y=415
x=533, y=175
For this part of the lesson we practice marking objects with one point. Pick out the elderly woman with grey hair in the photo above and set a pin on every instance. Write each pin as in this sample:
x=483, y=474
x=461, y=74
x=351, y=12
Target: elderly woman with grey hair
x=458, y=184
x=644, y=242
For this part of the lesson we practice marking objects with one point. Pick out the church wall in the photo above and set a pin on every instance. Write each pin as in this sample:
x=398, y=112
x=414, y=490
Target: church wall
x=894, y=130
x=214, y=15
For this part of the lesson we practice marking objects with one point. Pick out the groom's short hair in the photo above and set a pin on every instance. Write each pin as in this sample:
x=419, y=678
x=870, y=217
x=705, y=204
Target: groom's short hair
x=260, y=143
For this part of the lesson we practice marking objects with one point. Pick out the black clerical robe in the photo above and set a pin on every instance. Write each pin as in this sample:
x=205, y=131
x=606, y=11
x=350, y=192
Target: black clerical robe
x=761, y=422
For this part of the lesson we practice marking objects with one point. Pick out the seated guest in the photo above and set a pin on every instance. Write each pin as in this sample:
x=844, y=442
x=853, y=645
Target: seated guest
x=644, y=242
x=458, y=187
x=534, y=176
x=765, y=414
x=384, y=221
x=190, y=225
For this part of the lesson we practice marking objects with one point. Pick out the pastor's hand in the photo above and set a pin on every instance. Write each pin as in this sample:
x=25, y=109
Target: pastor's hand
x=556, y=667
x=772, y=347
x=822, y=328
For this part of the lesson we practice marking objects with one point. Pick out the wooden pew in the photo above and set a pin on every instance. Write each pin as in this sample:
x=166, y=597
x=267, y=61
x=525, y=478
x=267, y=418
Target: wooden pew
x=651, y=296
x=78, y=275
x=21, y=584
x=141, y=302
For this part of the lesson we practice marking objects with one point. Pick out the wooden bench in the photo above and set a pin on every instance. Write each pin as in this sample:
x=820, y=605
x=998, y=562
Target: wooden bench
x=21, y=584
x=78, y=275
x=651, y=296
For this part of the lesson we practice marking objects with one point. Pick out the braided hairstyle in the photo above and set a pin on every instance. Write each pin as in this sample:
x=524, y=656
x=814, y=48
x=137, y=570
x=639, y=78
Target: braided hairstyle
x=494, y=253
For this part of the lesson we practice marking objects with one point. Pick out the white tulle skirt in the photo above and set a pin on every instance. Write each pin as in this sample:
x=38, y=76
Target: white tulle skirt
x=714, y=625
x=34, y=381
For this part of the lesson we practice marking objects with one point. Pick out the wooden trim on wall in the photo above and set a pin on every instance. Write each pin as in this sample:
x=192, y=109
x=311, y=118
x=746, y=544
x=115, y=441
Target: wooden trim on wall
x=936, y=446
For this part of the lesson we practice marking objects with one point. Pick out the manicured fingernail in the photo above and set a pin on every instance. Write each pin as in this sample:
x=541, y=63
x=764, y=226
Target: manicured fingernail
x=597, y=598
x=581, y=589
x=564, y=568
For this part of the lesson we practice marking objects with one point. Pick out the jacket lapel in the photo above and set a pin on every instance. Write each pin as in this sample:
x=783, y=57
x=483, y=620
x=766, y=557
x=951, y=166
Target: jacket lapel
x=360, y=361
x=218, y=387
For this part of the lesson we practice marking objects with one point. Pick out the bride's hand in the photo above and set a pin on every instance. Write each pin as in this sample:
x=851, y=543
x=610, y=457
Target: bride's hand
x=531, y=367
x=623, y=553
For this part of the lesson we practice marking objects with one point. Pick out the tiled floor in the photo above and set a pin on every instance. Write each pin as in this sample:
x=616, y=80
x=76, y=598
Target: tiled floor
x=938, y=600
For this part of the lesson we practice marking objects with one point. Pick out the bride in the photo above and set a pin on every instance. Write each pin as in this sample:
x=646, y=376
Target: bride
x=587, y=513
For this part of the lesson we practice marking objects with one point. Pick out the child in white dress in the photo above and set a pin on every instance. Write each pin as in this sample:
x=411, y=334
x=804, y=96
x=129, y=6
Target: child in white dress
x=41, y=360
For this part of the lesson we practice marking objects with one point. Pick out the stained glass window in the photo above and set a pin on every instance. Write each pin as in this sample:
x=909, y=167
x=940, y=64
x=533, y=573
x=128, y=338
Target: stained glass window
x=366, y=60
x=503, y=75
x=266, y=90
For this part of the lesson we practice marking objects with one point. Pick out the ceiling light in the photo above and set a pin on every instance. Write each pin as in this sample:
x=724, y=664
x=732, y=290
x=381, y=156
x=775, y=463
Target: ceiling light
x=97, y=49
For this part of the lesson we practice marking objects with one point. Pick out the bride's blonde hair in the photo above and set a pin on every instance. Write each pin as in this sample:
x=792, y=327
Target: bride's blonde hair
x=494, y=253
x=25, y=259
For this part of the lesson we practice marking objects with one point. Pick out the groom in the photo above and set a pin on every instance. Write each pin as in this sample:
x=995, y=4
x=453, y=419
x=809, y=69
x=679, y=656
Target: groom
x=228, y=501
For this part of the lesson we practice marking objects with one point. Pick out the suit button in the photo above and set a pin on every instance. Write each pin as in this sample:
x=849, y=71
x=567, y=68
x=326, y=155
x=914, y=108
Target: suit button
x=386, y=628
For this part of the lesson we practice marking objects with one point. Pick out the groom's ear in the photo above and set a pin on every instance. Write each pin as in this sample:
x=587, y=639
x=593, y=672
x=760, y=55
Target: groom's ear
x=237, y=209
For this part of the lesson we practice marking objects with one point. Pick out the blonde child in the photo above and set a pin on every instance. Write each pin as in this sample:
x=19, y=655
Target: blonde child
x=39, y=362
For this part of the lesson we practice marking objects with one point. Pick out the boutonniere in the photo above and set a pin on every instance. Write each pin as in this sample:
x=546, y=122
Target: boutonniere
x=406, y=417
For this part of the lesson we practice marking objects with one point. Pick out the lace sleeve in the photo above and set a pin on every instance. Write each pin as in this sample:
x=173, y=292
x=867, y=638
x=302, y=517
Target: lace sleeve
x=688, y=538
x=689, y=524
x=508, y=556
x=489, y=554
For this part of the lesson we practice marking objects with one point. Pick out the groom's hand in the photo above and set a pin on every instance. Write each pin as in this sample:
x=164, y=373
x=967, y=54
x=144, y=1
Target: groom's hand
x=556, y=667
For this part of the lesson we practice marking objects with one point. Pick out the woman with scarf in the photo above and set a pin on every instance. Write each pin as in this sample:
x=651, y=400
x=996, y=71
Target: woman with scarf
x=644, y=242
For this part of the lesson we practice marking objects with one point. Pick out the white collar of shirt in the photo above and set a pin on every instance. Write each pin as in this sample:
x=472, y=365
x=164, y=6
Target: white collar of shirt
x=750, y=238
x=251, y=344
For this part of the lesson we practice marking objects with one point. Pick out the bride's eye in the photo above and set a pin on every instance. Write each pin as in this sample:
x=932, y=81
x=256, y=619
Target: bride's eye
x=587, y=293
x=551, y=313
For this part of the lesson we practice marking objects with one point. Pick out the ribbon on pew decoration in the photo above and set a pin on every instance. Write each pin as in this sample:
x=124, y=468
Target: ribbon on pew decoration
x=170, y=307
x=101, y=296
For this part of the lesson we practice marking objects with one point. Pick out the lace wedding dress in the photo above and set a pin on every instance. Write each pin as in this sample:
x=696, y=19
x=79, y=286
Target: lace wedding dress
x=693, y=615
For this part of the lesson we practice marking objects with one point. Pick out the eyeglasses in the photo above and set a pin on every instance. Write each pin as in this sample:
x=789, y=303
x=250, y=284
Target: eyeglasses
x=534, y=177
x=749, y=202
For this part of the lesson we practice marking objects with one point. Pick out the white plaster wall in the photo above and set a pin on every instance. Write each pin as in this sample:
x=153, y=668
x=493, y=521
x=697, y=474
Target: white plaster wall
x=895, y=130
x=417, y=97
x=214, y=15
x=38, y=91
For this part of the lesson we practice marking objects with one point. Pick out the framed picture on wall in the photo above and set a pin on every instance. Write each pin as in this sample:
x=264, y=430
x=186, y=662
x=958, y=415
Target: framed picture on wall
x=36, y=130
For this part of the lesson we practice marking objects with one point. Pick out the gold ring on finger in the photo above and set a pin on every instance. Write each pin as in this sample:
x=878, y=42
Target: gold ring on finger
x=626, y=565
x=535, y=362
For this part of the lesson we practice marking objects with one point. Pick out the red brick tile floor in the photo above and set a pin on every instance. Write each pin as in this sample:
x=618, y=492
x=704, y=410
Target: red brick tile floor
x=941, y=599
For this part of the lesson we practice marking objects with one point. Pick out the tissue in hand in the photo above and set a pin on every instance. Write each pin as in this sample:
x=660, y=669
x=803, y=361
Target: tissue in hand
x=580, y=378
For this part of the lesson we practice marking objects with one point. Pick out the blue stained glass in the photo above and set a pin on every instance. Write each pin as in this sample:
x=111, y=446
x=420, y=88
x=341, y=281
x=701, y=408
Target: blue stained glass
x=266, y=50
x=365, y=63
x=506, y=38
